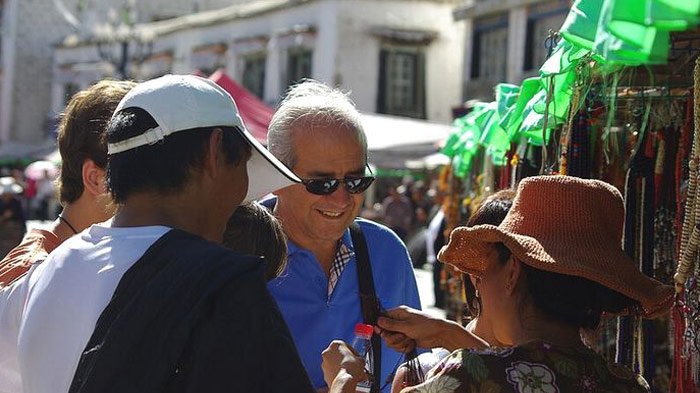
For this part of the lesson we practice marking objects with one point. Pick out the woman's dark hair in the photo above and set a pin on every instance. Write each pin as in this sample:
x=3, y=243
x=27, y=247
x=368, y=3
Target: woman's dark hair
x=164, y=166
x=573, y=300
x=491, y=211
x=253, y=230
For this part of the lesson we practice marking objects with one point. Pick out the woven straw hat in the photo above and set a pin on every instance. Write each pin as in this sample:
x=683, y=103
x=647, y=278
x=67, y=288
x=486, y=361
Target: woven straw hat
x=564, y=225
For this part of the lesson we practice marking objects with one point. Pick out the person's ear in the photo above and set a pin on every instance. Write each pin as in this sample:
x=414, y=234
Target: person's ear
x=515, y=269
x=94, y=178
x=214, y=155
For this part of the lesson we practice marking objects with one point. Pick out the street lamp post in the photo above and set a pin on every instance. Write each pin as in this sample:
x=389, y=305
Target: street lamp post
x=120, y=42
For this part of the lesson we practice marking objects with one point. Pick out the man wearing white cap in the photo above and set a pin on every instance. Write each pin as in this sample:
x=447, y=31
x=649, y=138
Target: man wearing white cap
x=148, y=301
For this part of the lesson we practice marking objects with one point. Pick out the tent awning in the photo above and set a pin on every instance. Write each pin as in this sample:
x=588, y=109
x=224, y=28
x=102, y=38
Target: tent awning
x=392, y=132
x=256, y=114
x=393, y=140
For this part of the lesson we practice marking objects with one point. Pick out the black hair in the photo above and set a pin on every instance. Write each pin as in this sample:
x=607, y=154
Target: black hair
x=164, y=166
x=253, y=230
x=576, y=301
x=491, y=211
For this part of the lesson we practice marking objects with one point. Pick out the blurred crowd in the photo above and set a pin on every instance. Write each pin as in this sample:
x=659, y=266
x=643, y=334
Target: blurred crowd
x=413, y=210
x=28, y=194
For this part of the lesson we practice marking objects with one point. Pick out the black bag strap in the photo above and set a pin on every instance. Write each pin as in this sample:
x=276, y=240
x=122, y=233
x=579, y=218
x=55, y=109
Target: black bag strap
x=369, y=302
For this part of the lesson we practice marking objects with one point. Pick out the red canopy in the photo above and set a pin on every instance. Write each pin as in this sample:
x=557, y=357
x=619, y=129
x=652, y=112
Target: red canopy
x=255, y=113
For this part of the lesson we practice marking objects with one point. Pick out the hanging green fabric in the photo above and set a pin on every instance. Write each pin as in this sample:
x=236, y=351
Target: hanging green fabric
x=565, y=57
x=462, y=164
x=617, y=51
x=533, y=121
x=468, y=143
x=627, y=32
x=506, y=97
x=493, y=137
x=463, y=142
x=451, y=144
x=463, y=131
x=560, y=69
x=650, y=13
x=624, y=42
x=581, y=24
x=513, y=118
x=690, y=7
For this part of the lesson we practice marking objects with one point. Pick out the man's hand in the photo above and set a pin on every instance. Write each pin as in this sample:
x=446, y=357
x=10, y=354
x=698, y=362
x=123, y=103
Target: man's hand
x=403, y=328
x=339, y=360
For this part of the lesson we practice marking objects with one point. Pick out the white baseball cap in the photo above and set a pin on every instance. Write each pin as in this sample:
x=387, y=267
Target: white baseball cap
x=183, y=102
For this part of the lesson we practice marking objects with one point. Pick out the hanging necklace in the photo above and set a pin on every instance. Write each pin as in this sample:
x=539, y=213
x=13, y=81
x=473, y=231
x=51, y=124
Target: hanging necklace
x=60, y=217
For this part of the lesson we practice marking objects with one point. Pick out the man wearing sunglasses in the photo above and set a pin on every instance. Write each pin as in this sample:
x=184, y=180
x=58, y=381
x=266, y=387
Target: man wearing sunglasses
x=317, y=133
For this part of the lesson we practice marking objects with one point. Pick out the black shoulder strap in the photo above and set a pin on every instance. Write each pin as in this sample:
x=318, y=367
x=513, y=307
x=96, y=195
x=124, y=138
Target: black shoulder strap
x=369, y=302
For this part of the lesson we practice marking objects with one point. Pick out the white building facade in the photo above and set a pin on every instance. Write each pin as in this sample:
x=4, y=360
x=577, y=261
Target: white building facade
x=505, y=41
x=29, y=31
x=399, y=57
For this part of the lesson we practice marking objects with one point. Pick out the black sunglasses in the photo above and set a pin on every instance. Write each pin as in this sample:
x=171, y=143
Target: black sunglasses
x=354, y=185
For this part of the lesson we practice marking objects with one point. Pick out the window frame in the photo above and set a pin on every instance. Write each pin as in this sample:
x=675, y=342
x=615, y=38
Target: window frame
x=294, y=54
x=259, y=57
x=388, y=101
x=482, y=27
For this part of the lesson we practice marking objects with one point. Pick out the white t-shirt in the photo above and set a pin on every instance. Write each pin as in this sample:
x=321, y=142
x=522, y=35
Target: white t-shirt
x=66, y=295
x=12, y=299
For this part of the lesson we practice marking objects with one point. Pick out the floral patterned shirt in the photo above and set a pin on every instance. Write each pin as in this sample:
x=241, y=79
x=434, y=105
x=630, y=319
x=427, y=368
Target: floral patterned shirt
x=536, y=367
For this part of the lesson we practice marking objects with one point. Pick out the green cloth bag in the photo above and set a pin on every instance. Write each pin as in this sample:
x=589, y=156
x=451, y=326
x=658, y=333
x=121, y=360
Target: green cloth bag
x=451, y=144
x=465, y=135
x=689, y=7
x=533, y=121
x=462, y=164
x=650, y=13
x=629, y=43
x=494, y=137
x=560, y=69
x=581, y=24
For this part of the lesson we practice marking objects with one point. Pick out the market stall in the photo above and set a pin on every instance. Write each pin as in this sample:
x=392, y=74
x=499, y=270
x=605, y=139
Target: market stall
x=617, y=99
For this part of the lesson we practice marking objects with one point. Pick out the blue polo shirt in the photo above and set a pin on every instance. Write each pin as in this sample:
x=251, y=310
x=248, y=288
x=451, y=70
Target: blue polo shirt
x=315, y=319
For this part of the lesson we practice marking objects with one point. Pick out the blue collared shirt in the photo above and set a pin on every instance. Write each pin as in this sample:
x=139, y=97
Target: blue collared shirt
x=315, y=318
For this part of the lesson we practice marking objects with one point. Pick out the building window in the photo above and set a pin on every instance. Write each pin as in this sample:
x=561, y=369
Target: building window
x=254, y=73
x=540, y=21
x=298, y=65
x=402, y=81
x=490, y=48
x=209, y=58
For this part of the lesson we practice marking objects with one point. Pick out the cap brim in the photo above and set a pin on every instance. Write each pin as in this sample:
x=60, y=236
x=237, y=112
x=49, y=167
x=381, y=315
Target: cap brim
x=265, y=172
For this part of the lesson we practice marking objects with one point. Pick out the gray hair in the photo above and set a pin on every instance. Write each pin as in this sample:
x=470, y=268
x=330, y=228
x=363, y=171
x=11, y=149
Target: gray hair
x=307, y=105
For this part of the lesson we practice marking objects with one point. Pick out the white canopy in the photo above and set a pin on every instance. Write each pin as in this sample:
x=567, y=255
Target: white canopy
x=393, y=140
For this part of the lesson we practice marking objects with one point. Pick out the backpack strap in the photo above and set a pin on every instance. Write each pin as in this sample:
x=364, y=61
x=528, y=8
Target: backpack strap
x=369, y=303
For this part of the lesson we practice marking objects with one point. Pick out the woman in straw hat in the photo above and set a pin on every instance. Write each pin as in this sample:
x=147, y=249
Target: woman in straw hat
x=549, y=270
x=403, y=328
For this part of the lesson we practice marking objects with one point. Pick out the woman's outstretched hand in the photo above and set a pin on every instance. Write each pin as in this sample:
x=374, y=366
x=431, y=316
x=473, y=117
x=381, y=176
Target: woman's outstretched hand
x=405, y=328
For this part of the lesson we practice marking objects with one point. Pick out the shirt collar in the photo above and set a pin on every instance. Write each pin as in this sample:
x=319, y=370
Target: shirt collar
x=346, y=240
